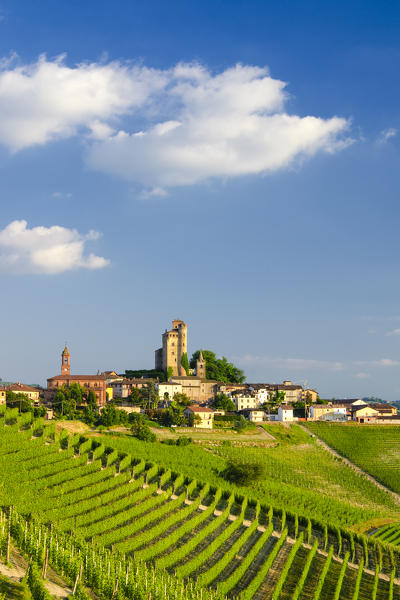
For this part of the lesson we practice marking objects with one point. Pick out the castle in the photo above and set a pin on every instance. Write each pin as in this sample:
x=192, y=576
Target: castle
x=174, y=346
x=169, y=359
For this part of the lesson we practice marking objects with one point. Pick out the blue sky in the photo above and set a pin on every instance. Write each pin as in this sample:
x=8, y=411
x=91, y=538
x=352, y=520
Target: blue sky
x=233, y=164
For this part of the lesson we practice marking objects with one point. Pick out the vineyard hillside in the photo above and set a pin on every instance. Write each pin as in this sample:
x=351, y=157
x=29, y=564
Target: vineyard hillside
x=113, y=520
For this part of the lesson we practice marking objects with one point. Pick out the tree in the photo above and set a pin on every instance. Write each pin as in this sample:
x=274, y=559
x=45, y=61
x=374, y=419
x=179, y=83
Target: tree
x=181, y=399
x=150, y=396
x=223, y=402
x=135, y=396
x=110, y=415
x=278, y=397
x=218, y=368
x=244, y=473
x=170, y=372
x=92, y=399
x=185, y=362
x=142, y=432
x=19, y=400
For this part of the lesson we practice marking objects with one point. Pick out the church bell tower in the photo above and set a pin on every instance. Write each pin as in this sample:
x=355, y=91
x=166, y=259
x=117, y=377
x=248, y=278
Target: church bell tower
x=65, y=362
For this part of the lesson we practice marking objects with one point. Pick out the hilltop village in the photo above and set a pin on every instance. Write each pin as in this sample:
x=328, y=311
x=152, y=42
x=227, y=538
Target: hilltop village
x=179, y=392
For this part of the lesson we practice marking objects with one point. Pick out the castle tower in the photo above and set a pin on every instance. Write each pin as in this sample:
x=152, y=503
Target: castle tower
x=201, y=366
x=173, y=348
x=65, y=362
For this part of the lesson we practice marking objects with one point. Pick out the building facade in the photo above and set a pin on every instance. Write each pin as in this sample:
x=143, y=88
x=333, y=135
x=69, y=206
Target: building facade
x=197, y=389
x=174, y=346
x=20, y=388
x=95, y=383
x=205, y=416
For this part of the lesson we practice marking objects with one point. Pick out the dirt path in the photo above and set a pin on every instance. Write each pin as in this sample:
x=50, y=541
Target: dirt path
x=17, y=568
x=395, y=496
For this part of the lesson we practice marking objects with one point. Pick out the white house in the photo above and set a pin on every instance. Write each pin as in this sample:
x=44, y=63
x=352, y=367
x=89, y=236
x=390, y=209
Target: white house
x=168, y=388
x=242, y=401
x=262, y=395
x=285, y=413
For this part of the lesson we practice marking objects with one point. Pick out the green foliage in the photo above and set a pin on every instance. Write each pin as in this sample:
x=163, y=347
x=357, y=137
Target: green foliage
x=218, y=369
x=110, y=415
x=170, y=372
x=19, y=400
x=185, y=363
x=223, y=402
x=142, y=432
x=35, y=583
x=244, y=473
x=135, y=396
x=146, y=374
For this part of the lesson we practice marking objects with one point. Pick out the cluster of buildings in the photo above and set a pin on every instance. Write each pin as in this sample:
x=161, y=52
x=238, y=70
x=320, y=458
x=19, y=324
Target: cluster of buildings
x=249, y=399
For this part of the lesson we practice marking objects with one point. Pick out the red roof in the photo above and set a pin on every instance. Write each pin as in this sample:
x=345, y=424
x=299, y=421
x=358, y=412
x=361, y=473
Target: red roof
x=200, y=409
x=78, y=378
x=20, y=387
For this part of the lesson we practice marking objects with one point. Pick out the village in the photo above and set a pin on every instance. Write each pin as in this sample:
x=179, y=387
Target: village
x=204, y=403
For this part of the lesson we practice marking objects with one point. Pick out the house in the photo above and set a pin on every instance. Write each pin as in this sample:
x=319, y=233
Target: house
x=255, y=415
x=2, y=396
x=204, y=416
x=285, y=413
x=94, y=383
x=384, y=410
x=20, y=388
x=260, y=391
x=198, y=389
x=243, y=401
x=327, y=412
x=293, y=392
x=365, y=414
x=374, y=413
x=168, y=390
x=350, y=403
x=121, y=388
x=309, y=396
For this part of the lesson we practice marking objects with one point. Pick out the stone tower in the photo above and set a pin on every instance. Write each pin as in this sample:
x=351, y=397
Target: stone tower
x=201, y=366
x=65, y=362
x=174, y=345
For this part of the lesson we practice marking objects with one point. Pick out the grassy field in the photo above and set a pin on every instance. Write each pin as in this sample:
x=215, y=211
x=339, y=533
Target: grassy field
x=189, y=527
x=374, y=448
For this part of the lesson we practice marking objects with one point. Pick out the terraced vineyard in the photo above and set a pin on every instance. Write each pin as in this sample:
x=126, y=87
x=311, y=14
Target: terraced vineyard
x=120, y=522
x=390, y=534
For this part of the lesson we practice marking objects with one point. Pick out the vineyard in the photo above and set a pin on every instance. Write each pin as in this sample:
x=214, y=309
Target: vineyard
x=374, y=448
x=122, y=527
x=300, y=475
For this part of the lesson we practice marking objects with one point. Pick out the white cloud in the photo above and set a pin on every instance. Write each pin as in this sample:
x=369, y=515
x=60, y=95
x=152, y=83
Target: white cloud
x=223, y=125
x=47, y=100
x=381, y=362
x=386, y=134
x=195, y=125
x=62, y=195
x=48, y=250
x=362, y=375
x=153, y=193
x=289, y=363
x=394, y=332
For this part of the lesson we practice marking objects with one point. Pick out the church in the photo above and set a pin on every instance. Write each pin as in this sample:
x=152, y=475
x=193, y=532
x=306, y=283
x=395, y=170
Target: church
x=95, y=383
